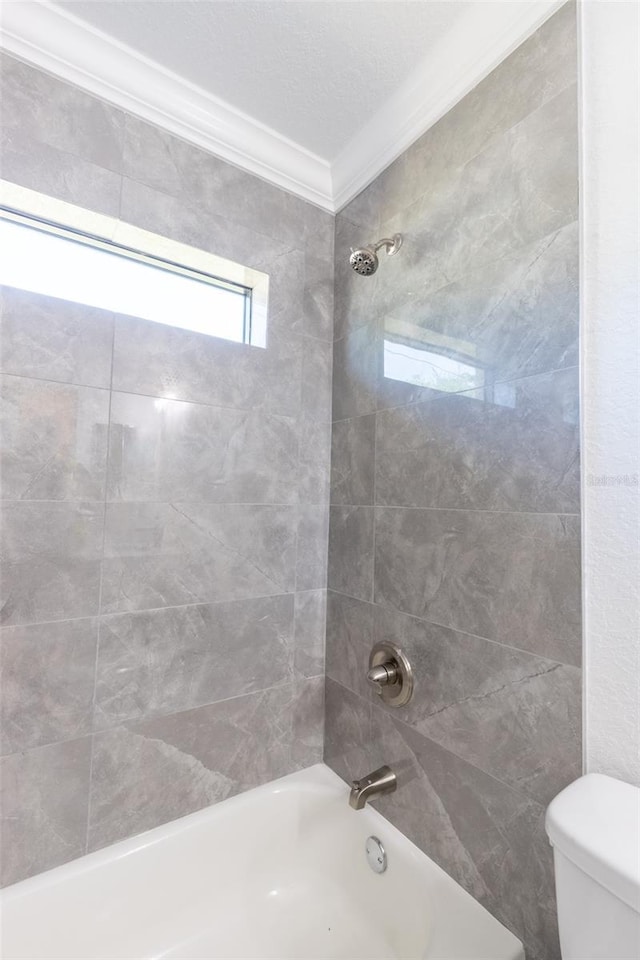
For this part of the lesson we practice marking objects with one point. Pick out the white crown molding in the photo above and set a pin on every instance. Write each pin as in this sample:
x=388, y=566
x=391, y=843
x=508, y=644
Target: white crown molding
x=50, y=38
x=58, y=42
x=481, y=39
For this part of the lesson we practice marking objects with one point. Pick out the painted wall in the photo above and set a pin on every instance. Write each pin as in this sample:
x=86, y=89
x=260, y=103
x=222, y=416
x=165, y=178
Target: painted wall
x=610, y=357
x=164, y=523
x=455, y=502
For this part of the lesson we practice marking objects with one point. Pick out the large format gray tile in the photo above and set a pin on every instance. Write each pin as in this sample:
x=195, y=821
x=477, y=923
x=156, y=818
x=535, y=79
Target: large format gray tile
x=347, y=732
x=350, y=637
x=352, y=460
x=313, y=532
x=188, y=221
x=351, y=551
x=513, y=446
x=314, y=460
x=520, y=188
x=315, y=398
x=309, y=637
x=307, y=723
x=54, y=440
x=48, y=676
x=147, y=773
x=60, y=114
x=165, y=554
x=163, y=661
x=489, y=837
x=504, y=576
x=45, y=796
x=318, y=286
x=513, y=715
x=54, y=339
x=166, y=163
x=182, y=365
x=512, y=317
x=50, y=560
x=356, y=365
x=170, y=449
x=29, y=162
x=478, y=829
x=539, y=69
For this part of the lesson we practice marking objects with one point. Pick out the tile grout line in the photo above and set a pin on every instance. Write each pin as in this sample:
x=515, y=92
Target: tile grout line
x=394, y=611
x=370, y=705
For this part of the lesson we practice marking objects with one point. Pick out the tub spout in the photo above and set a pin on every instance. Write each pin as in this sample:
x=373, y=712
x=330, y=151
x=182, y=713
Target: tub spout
x=381, y=781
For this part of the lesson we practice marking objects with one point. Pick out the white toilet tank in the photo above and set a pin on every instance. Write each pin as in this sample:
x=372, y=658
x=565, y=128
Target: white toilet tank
x=594, y=828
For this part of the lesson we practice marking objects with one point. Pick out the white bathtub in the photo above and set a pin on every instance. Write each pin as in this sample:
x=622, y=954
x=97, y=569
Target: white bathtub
x=277, y=872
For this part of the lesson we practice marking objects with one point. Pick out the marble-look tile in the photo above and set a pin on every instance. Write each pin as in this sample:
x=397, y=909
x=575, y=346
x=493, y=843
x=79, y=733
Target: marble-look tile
x=60, y=114
x=512, y=446
x=54, y=339
x=318, y=287
x=153, y=771
x=504, y=576
x=47, y=678
x=188, y=221
x=489, y=837
x=166, y=554
x=169, y=449
x=478, y=829
x=539, y=69
x=307, y=723
x=183, y=365
x=352, y=460
x=309, y=636
x=513, y=715
x=315, y=398
x=163, y=661
x=313, y=532
x=356, y=366
x=54, y=440
x=510, y=318
x=351, y=551
x=158, y=159
x=44, y=808
x=519, y=189
x=285, y=310
x=350, y=637
x=66, y=176
x=314, y=460
x=50, y=560
x=347, y=732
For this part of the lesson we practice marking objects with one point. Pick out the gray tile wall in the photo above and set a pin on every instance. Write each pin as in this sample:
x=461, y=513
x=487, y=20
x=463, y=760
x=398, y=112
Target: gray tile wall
x=454, y=525
x=164, y=560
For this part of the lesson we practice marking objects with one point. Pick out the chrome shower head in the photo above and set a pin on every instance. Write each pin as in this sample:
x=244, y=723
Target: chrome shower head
x=364, y=260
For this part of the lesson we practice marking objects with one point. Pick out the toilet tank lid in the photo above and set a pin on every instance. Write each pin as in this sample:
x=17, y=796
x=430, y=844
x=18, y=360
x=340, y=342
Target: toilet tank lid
x=595, y=822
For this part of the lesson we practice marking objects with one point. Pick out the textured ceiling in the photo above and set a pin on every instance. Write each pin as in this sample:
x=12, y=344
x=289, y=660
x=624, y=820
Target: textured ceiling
x=313, y=70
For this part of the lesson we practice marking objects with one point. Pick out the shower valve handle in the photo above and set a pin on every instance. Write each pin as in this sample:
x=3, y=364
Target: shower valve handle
x=383, y=674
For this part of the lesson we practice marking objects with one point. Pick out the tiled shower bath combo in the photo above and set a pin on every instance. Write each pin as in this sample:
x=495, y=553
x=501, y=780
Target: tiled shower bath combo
x=202, y=540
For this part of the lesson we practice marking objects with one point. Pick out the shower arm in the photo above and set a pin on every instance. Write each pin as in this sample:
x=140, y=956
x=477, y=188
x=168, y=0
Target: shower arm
x=392, y=244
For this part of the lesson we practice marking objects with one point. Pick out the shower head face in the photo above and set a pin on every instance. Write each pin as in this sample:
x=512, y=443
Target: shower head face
x=364, y=261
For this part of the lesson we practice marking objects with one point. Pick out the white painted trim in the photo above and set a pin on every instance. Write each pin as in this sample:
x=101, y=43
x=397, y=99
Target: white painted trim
x=56, y=41
x=61, y=44
x=479, y=41
x=609, y=34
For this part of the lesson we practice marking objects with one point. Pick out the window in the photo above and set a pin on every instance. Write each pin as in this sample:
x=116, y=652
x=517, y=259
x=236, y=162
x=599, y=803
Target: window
x=59, y=249
x=61, y=262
